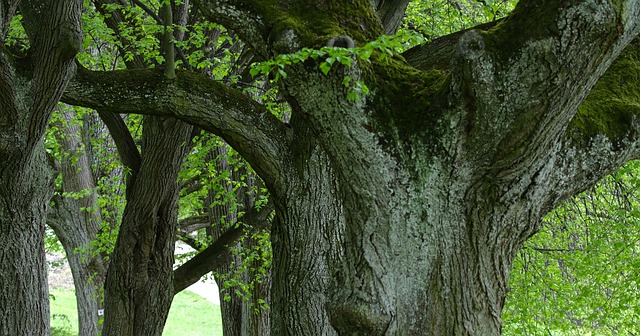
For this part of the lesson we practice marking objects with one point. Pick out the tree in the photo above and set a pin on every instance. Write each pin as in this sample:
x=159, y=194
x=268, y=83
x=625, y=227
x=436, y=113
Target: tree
x=30, y=87
x=401, y=212
x=75, y=213
x=401, y=208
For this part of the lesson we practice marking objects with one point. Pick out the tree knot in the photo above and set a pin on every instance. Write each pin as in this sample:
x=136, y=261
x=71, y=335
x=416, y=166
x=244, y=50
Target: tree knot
x=471, y=45
x=341, y=41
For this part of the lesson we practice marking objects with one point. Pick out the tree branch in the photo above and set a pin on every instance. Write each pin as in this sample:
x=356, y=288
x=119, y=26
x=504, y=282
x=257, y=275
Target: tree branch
x=194, y=223
x=168, y=46
x=218, y=253
x=125, y=144
x=604, y=134
x=7, y=10
x=390, y=13
x=440, y=52
x=244, y=124
x=238, y=17
x=268, y=29
x=519, y=88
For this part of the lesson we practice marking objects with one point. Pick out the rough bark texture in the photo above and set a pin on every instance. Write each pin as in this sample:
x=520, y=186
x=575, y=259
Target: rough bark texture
x=29, y=90
x=139, y=285
x=76, y=222
x=400, y=213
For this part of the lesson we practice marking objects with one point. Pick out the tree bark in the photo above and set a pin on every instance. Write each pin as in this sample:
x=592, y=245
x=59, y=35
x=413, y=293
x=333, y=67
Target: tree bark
x=76, y=222
x=139, y=284
x=29, y=90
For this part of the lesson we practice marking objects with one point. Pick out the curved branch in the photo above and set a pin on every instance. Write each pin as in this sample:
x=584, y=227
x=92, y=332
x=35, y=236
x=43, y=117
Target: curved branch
x=286, y=26
x=519, y=88
x=440, y=52
x=218, y=253
x=239, y=17
x=604, y=134
x=244, y=124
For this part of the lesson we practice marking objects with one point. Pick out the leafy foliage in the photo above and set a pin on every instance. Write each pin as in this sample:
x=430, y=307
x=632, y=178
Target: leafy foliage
x=384, y=48
x=433, y=19
x=579, y=275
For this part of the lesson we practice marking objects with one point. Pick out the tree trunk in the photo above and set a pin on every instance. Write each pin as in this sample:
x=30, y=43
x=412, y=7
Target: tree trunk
x=391, y=256
x=88, y=270
x=25, y=190
x=241, y=316
x=399, y=212
x=139, y=284
x=76, y=221
x=29, y=89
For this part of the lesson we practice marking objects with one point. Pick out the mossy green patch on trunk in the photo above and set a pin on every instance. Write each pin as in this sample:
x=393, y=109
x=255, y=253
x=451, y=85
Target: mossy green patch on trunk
x=614, y=103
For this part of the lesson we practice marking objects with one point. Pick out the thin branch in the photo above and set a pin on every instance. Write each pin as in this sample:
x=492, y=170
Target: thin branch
x=149, y=11
x=125, y=144
x=169, y=53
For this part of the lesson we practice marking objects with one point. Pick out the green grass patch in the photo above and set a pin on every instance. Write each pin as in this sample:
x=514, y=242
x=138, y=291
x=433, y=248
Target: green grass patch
x=190, y=314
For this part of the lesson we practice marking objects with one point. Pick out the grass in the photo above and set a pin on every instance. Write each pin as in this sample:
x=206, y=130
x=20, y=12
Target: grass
x=190, y=314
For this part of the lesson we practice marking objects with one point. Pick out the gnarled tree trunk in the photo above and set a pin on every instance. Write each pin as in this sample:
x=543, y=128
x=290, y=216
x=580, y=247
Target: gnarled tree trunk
x=139, y=284
x=29, y=89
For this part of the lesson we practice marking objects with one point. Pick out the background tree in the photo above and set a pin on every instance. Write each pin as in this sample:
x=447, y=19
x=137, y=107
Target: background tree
x=86, y=208
x=105, y=50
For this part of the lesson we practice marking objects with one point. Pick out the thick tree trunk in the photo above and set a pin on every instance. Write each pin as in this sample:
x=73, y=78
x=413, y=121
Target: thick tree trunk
x=29, y=90
x=25, y=190
x=399, y=257
x=139, y=284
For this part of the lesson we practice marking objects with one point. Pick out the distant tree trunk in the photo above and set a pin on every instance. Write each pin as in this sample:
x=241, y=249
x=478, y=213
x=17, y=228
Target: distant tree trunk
x=29, y=90
x=139, y=284
x=76, y=222
x=240, y=316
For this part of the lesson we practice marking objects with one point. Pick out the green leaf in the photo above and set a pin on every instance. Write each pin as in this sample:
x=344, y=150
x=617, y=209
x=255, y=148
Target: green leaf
x=325, y=67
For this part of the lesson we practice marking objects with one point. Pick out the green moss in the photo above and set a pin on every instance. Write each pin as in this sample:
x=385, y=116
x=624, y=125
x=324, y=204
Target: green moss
x=412, y=101
x=314, y=23
x=528, y=21
x=613, y=103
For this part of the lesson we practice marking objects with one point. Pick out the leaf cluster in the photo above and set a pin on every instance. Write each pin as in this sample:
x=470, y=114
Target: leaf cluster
x=384, y=48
